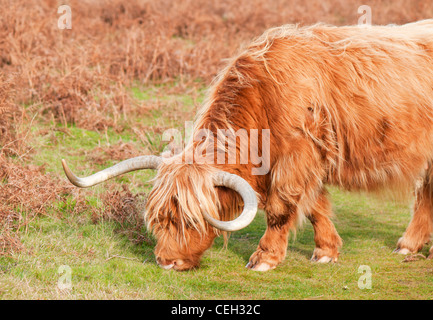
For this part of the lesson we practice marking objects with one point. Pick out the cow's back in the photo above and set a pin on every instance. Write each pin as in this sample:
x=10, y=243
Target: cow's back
x=364, y=93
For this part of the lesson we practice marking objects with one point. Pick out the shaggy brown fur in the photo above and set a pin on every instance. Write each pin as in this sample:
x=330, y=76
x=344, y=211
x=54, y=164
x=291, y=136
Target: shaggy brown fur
x=348, y=106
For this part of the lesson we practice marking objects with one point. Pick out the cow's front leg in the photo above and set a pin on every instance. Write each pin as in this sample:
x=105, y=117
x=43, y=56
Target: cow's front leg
x=272, y=247
x=296, y=181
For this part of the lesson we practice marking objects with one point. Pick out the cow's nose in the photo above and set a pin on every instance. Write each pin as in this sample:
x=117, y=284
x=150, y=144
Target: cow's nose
x=168, y=264
x=164, y=263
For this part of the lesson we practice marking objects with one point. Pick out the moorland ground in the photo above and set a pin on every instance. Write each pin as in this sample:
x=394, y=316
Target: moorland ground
x=104, y=91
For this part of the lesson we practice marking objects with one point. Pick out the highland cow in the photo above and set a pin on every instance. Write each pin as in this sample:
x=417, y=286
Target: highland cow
x=345, y=106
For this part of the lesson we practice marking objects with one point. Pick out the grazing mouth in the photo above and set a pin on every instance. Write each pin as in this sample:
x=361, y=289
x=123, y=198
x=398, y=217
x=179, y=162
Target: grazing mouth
x=167, y=266
x=178, y=264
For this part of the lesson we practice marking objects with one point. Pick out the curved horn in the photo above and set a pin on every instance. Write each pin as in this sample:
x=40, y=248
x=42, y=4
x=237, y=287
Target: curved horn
x=137, y=163
x=248, y=195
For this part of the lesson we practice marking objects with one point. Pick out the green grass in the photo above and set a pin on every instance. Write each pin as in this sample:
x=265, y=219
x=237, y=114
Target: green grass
x=105, y=264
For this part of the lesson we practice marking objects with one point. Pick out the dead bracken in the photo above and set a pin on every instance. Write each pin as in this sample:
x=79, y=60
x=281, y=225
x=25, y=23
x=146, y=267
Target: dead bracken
x=80, y=77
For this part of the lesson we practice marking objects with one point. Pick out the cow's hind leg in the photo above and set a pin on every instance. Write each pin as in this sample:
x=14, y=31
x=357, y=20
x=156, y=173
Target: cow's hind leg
x=419, y=231
x=325, y=235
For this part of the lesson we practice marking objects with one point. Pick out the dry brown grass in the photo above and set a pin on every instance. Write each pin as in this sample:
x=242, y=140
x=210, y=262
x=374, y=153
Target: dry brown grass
x=26, y=191
x=125, y=208
x=117, y=152
x=11, y=120
x=80, y=76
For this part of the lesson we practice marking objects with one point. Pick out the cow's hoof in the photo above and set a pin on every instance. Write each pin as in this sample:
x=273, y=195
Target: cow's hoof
x=262, y=260
x=403, y=251
x=324, y=259
x=322, y=256
x=260, y=266
x=407, y=246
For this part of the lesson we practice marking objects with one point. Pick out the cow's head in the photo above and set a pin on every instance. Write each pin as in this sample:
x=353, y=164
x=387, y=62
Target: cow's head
x=184, y=209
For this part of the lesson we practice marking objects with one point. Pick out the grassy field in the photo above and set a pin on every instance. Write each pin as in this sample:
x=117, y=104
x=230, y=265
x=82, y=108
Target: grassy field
x=108, y=261
x=105, y=91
